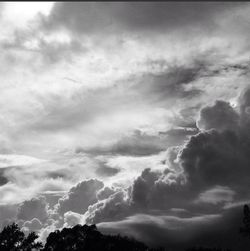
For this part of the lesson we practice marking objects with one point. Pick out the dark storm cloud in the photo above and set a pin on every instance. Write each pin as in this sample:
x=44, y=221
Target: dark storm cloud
x=133, y=16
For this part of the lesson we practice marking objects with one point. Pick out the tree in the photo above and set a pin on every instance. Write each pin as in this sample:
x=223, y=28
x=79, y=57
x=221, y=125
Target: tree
x=245, y=230
x=13, y=239
x=88, y=238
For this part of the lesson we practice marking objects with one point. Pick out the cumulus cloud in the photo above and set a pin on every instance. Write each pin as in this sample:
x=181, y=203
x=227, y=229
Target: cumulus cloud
x=71, y=219
x=105, y=192
x=221, y=116
x=211, y=168
x=116, y=206
x=80, y=197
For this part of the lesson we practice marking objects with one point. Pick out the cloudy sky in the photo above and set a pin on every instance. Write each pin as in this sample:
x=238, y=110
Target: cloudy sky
x=132, y=116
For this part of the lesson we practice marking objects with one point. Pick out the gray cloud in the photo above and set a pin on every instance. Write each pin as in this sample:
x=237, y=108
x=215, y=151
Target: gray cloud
x=216, y=195
x=211, y=167
x=106, y=171
x=105, y=192
x=34, y=208
x=80, y=197
x=136, y=144
x=3, y=179
x=32, y=225
x=111, y=17
x=171, y=83
x=178, y=233
x=221, y=116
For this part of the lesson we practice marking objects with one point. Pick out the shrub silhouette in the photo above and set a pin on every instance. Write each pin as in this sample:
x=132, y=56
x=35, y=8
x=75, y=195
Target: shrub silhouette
x=13, y=239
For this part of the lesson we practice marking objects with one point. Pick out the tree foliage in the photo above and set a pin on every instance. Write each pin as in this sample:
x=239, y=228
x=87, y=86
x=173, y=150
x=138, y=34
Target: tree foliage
x=13, y=239
x=88, y=238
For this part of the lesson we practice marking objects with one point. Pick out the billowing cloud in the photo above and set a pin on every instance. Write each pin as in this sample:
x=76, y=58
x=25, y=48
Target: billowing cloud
x=71, y=219
x=211, y=168
x=220, y=116
x=80, y=197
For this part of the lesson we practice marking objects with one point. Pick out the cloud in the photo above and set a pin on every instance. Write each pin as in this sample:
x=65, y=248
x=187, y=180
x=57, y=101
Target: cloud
x=221, y=116
x=34, y=208
x=216, y=195
x=105, y=192
x=104, y=171
x=178, y=233
x=71, y=219
x=172, y=83
x=32, y=225
x=99, y=17
x=152, y=190
x=3, y=179
x=80, y=197
x=7, y=213
x=135, y=144
x=113, y=208
x=50, y=49
x=160, y=230
x=210, y=168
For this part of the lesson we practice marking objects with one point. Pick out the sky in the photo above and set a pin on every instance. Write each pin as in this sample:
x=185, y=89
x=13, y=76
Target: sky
x=132, y=116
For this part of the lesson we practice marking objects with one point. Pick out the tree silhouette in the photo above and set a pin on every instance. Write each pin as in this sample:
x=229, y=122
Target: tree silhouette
x=245, y=230
x=13, y=239
x=88, y=238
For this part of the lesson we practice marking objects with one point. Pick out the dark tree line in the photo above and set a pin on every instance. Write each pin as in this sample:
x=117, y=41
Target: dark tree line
x=87, y=238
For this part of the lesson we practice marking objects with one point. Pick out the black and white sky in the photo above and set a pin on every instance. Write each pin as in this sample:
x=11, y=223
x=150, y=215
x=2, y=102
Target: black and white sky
x=131, y=115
